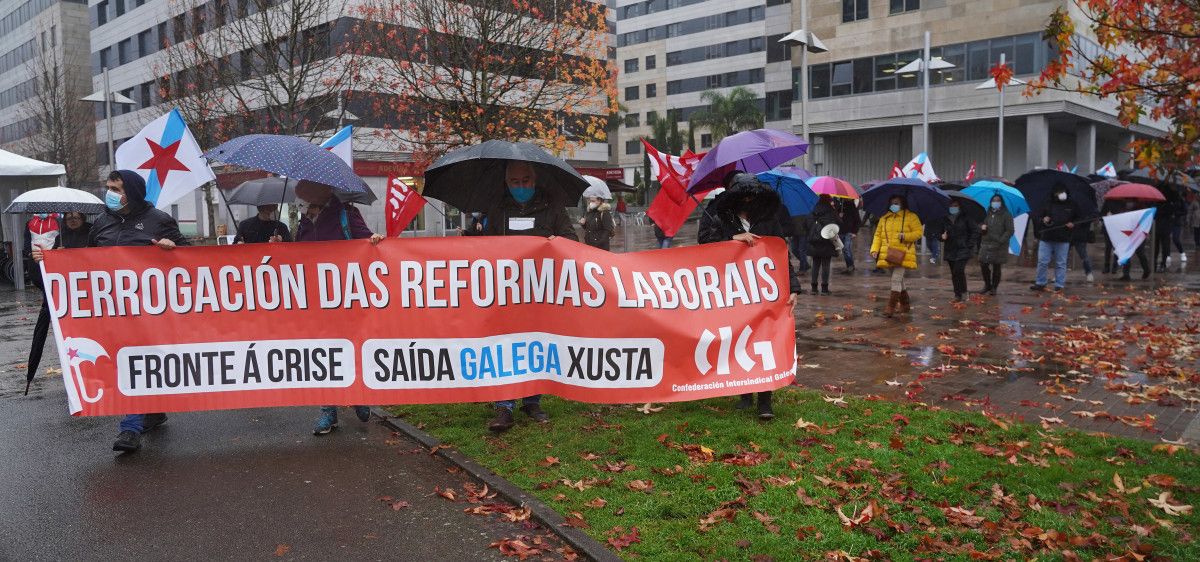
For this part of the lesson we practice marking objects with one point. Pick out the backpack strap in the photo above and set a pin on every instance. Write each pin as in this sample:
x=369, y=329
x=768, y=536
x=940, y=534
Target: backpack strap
x=345, y=219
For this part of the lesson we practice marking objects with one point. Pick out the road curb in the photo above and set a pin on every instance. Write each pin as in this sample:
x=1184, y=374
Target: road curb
x=583, y=544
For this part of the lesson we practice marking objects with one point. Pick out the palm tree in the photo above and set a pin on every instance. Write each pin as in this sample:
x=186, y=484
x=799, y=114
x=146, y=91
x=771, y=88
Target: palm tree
x=728, y=114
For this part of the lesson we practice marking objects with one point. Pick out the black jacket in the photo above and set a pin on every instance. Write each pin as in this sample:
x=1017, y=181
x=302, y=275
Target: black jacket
x=848, y=218
x=140, y=226
x=255, y=230
x=1060, y=213
x=819, y=247
x=77, y=238
x=549, y=218
x=720, y=222
x=962, y=236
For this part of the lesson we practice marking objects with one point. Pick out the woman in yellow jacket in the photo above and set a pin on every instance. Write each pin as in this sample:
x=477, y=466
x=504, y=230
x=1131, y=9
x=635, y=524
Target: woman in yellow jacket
x=898, y=231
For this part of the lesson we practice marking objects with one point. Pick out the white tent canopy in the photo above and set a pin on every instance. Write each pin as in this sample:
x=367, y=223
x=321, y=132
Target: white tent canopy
x=17, y=165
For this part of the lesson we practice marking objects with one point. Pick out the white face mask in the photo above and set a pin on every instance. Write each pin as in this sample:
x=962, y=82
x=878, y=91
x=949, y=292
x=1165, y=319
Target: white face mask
x=1062, y=196
x=593, y=205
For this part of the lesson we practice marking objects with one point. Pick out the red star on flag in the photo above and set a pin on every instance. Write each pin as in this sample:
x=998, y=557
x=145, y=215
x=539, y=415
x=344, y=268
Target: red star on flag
x=163, y=160
x=917, y=167
x=73, y=353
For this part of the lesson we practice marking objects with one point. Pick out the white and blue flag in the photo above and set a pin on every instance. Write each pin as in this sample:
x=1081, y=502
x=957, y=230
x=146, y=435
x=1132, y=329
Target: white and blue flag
x=1127, y=231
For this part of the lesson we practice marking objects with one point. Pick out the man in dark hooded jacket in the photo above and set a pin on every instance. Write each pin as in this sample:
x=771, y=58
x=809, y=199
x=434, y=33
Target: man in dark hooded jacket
x=132, y=221
x=747, y=211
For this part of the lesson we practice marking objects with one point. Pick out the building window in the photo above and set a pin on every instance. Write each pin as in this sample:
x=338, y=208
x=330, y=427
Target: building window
x=841, y=77
x=104, y=57
x=631, y=93
x=632, y=120
x=978, y=61
x=123, y=51
x=706, y=140
x=631, y=66
x=854, y=10
x=102, y=13
x=864, y=75
x=138, y=3
x=651, y=90
x=198, y=21
x=651, y=62
x=120, y=8
x=901, y=6
x=633, y=147
x=885, y=73
x=53, y=36
x=145, y=97
x=907, y=80
x=776, y=51
x=651, y=117
x=779, y=105
x=143, y=43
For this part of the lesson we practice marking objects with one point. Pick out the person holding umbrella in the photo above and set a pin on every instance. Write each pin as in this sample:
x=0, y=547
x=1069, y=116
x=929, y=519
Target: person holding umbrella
x=131, y=221
x=746, y=211
x=1055, y=225
x=263, y=227
x=822, y=249
x=330, y=219
x=995, y=233
x=597, y=221
x=894, y=248
x=960, y=234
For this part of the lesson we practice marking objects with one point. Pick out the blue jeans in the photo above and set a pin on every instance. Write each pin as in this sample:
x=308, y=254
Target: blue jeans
x=848, y=249
x=1058, y=252
x=1081, y=248
x=528, y=400
x=800, y=249
x=132, y=422
x=935, y=247
x=665, y=243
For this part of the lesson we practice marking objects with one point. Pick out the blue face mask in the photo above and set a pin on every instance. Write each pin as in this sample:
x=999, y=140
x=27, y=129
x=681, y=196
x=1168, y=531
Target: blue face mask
x=522, y=194
x=996, y=205
x=953, y=210
x=112, y=200
x=894, y=208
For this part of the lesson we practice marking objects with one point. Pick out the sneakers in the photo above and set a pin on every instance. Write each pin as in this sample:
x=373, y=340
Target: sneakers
x=128, y=442
x=1091, y=278
x=326, y=422
x=536, y=412
x=1183, y=258
x=363, y=413
x=1037, y=288
x=933, y=261
x=502, y=422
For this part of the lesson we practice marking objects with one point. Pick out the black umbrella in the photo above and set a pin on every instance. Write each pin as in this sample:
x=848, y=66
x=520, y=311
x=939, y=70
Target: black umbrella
x=969, y=206
x=1038, y=186
x=618, y=186
x=472, y=178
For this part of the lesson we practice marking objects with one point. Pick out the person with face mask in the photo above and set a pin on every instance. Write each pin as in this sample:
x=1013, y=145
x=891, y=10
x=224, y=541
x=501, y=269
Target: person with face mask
x=525, y=210
x=476, y=223
x=327, y=218
x=959, y=237
x=132, y=221
x=820, y=248
x=597, y=223
x=747, y=211
x=263, y=227
x=996, y=231
x=894, y=248
x=1054, y=226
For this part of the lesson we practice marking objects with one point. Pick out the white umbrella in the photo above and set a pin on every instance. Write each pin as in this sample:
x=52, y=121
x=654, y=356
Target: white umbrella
x=56, y=200
x=596, y=188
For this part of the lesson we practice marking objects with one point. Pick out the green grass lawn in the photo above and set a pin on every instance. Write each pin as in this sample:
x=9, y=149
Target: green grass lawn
x=701, y=480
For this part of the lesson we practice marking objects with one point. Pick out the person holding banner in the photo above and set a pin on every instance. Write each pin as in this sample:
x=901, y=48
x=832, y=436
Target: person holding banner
x=263, y=227
x=746, y=211
x=131, y=221
x=1055, y=229
x=327, y=218
x=525, y=210
x=995, y=232
x=895, y=248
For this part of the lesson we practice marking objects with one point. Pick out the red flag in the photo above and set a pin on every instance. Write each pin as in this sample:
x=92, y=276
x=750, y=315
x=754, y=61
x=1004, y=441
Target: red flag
x=1062, y=166
x=971, y=172
x=672, y=206
x=403, y=204
x=896, y=171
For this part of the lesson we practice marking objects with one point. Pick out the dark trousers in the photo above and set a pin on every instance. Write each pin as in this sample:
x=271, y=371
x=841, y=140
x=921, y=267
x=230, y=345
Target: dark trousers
x=1141, y=256
x=1110, y=261
x=820, y=268
x=1196, y=236
x=1162, y=244
x=991, y=275
x=958, y=276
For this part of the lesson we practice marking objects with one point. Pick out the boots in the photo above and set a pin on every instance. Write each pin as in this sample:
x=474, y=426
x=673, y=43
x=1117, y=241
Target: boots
x=825, y=290
x=893, y=301
x=764, y=406
x=744, y=402
x=905, y=304
x=502, y=422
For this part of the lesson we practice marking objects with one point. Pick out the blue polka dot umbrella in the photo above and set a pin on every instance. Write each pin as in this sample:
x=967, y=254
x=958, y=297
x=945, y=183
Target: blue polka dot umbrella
x=293, y=157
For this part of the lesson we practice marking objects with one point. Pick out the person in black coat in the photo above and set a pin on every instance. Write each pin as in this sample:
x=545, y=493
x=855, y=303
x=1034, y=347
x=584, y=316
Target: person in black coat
x=263, y=227
x=1054, y=228
x=849, y=222
x=960, y=236
x=132, y=221
x=820, y=248
x=747, y=211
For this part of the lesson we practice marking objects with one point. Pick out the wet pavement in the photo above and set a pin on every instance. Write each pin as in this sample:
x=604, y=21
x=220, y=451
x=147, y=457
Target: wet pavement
x=227, y=485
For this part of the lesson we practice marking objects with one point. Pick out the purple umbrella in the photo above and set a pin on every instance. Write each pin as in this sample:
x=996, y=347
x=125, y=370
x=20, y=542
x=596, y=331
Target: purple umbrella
x=753, y=152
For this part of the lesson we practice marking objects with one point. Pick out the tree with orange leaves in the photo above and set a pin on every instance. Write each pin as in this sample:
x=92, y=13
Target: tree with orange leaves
x=1148, y=61
x=450, y=73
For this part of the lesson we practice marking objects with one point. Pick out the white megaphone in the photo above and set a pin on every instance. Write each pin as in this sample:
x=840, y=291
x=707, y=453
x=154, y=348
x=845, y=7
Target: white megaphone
x=830, y=232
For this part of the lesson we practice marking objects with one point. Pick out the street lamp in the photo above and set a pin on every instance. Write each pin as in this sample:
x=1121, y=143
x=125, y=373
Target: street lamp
x=924, y=65
x=811, y=44
x=108, y=97
x=991, y=83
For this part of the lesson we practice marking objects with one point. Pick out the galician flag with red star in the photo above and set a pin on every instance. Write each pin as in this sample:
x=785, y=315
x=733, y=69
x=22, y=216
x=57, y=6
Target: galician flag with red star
x=1127, y=231
x=920, y=168
x=166, y=154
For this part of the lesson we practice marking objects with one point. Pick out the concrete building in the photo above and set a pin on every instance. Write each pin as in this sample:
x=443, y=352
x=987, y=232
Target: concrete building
x=31, y=30
x=127, y=38
x=864, y=115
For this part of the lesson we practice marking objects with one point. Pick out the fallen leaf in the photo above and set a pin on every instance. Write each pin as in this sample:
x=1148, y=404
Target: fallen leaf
x=1164, y=502
x=398, y=505
x=549, y=461
x=649, y=408
x=597, y=503
x=641, y=485
x=515, y=547
x=1120, y=484
x=281, y=550
x=622, y=541
x=767, y=521
x=892, y=383
x=448, y=493
x=835, y=400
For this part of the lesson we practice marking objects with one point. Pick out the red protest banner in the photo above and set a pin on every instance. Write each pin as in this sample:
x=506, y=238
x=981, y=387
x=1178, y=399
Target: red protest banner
x=416, y=321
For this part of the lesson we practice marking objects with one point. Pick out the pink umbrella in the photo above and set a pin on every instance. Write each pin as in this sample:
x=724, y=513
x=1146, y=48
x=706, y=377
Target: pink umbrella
x=827, y=185
x=1136, y=191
